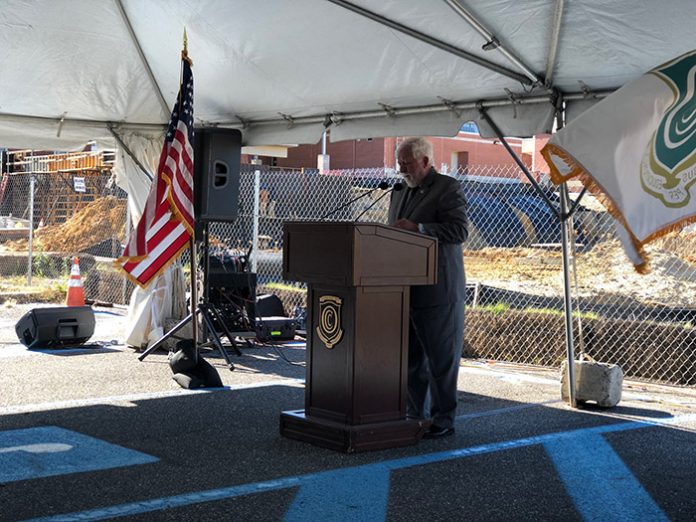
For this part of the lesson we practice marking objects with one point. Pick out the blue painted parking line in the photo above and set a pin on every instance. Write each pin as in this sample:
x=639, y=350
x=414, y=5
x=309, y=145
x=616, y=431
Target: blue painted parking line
x=598, y=481
x=48, y=451
x=338, y=492
x=362, y=493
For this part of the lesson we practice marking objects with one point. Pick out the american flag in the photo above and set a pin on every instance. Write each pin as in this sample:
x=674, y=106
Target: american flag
x=166, y=225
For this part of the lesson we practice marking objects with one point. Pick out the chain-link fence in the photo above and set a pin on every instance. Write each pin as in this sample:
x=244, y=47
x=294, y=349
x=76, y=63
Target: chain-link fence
x=512, y=258
x=54, y=207
x=514, y=268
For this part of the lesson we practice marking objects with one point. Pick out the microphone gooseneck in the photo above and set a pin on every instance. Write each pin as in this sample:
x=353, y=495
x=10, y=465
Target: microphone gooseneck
x=383, y=185
x=396, y=187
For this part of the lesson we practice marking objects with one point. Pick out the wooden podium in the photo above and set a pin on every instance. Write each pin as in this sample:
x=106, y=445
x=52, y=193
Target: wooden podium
x=358, y=277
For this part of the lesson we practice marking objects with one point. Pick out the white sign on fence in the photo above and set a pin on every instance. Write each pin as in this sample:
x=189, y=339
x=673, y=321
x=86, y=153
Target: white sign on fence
x=79, y=184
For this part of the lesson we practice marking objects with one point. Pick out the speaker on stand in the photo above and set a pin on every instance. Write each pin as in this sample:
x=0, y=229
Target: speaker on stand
x=217, y=156
x=216, y=175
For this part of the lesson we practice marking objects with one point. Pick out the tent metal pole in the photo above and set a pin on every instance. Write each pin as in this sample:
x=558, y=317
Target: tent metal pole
x=433, y=41
x=575, y=204
x=563, y=216
x=519, y=162
x=194, y=289
x=565, y=219
x=570, y=349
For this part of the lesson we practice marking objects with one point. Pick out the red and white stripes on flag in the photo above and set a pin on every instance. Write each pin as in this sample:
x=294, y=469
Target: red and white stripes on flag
x=166, y=225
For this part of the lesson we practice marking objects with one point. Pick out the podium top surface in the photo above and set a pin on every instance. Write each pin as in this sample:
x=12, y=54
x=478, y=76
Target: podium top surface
x=357, y=254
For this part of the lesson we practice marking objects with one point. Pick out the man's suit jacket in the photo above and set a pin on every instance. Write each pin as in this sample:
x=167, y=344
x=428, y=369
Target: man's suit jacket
x=439, y=207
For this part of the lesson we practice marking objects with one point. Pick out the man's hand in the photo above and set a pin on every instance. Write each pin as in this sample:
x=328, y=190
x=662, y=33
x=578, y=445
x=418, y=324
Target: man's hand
x=406, y=224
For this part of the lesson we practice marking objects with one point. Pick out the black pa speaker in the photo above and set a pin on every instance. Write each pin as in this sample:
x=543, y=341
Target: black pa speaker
x=269, y=305
x=217, y=156
x=56, y=327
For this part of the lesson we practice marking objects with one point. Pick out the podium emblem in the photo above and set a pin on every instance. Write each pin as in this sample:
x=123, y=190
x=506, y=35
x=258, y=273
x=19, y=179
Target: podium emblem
x=329, y=329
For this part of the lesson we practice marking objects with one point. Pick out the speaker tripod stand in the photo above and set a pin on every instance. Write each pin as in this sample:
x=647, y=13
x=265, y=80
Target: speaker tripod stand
x=208, y=312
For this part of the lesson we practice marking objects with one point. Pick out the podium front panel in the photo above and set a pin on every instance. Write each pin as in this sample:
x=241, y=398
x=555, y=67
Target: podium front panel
x=381, y=354
x=357, y=349
x=330, y=366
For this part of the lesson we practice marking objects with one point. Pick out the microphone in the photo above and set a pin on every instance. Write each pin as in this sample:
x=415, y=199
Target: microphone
x=395, y=188
x=383, y=185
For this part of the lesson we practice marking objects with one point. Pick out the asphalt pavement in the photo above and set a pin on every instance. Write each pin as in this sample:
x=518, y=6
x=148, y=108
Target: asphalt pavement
x=91, y=433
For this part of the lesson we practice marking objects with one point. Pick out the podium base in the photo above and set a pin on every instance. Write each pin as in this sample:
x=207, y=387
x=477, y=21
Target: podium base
x=351, y=438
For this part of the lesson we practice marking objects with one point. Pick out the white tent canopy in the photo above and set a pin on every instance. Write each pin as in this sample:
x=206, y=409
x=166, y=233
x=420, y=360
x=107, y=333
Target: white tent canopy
x=283, y=70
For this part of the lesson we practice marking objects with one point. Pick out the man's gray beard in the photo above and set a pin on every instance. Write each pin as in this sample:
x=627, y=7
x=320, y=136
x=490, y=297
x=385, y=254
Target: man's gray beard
x=410, y=183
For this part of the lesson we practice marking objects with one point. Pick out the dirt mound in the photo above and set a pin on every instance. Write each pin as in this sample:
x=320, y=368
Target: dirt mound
x=602, y=272
x=100, y=220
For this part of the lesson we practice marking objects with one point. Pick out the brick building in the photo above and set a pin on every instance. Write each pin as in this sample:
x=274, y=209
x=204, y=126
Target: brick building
x=467, y=149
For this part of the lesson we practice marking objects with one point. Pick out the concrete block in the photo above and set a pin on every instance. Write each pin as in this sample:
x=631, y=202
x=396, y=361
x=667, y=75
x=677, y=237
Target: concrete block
x=595, y=382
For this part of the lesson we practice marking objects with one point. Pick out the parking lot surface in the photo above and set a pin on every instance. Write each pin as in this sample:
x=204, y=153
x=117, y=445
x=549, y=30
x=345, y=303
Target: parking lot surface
x=91, y=433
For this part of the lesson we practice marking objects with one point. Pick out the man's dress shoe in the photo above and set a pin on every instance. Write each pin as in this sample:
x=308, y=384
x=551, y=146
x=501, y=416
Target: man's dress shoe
x=436, y=432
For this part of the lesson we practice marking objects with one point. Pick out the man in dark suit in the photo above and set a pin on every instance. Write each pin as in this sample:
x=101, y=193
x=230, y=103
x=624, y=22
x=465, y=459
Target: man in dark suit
x=433, y=205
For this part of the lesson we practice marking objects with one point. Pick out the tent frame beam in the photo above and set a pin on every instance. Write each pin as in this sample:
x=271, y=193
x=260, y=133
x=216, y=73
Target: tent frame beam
x=553, y=41
x=520, y=164
x=143, y=59
x=491, y=41
x=128, y=151
x=334, y=118
x=433, y=41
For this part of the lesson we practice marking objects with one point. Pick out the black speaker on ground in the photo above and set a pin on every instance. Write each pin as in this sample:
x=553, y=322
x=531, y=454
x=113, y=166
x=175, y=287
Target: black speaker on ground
x=269, y=305
x=216, y=174
x=56, y=327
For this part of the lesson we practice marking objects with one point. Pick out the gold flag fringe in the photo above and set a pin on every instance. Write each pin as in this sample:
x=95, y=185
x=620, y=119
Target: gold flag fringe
x=578, y=171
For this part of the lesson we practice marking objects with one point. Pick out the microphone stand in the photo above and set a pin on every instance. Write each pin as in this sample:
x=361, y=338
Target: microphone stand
x=383, y=185
x=397, y=187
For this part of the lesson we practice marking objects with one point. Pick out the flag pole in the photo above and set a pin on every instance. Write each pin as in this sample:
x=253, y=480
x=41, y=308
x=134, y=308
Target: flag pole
x=192, y=240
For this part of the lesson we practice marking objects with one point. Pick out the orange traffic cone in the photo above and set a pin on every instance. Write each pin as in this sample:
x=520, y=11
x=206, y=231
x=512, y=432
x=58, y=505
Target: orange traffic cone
x=76, y=295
